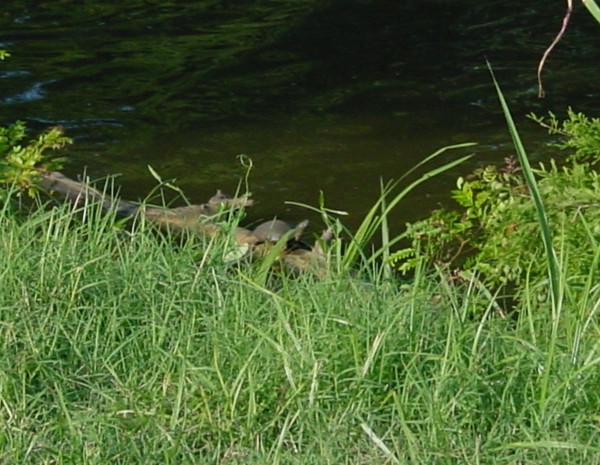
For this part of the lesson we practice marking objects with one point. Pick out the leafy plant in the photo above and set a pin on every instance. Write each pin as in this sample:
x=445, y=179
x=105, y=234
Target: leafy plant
x=495, y=229
x=582, y=135
x=20, y=165
x=457, y=238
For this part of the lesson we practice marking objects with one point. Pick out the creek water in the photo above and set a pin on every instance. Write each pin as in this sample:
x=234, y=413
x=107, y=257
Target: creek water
x=328, y=96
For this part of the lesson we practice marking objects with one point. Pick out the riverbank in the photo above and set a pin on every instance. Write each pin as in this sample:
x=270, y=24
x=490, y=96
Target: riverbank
x=117, y=346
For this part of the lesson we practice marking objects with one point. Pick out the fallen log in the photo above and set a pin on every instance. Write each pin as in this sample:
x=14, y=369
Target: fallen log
x=192, y=218
x=198, y=219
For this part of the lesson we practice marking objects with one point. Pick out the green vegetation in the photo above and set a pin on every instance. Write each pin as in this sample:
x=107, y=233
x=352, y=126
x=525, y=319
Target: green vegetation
x=495, y=229
x=119, y=347
x=581, y=135
x=130, y=346
x=20, y=165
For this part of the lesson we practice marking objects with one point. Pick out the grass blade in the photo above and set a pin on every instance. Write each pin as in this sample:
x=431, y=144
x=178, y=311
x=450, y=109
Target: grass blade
x=373, y=221
x=593, y=8
x=535, y=195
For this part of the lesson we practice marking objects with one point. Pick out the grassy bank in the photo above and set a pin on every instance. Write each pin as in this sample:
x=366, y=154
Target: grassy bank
x=117, y=347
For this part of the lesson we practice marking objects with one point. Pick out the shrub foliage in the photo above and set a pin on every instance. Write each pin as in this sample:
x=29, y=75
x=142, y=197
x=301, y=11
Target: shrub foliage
x=493, y=230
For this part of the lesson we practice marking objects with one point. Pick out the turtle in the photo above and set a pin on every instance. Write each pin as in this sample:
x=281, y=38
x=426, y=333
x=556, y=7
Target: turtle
x=273, y=230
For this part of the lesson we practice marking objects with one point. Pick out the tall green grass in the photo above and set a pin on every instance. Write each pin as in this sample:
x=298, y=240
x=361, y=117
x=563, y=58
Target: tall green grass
x=358, y=253
x=545, y=229
x=375, y=221
x=117, y=347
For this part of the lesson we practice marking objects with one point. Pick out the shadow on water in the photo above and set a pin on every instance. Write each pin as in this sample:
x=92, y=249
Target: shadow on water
x=322, y=95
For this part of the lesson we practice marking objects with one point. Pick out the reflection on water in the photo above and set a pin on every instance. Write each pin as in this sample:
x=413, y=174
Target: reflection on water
x=31, y=94
x=322, y=95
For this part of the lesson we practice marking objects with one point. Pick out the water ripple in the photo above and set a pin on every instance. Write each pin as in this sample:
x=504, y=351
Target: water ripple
x=31, y=94
x=70, y=124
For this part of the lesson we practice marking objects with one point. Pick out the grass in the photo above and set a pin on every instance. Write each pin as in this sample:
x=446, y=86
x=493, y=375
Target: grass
x=116, y=347
x=132, y=347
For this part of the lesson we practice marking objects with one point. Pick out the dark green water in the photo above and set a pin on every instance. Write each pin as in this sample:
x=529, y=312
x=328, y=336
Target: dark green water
x=321, y=95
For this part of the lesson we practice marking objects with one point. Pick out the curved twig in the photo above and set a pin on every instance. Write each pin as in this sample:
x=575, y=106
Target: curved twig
x=541, y=93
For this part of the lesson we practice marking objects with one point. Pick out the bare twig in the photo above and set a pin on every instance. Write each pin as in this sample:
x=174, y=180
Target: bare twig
x=541, y=93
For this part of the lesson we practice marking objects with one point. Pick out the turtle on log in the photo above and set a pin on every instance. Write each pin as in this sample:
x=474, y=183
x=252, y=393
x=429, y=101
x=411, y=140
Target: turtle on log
x=274, y=230
x=296, y=254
